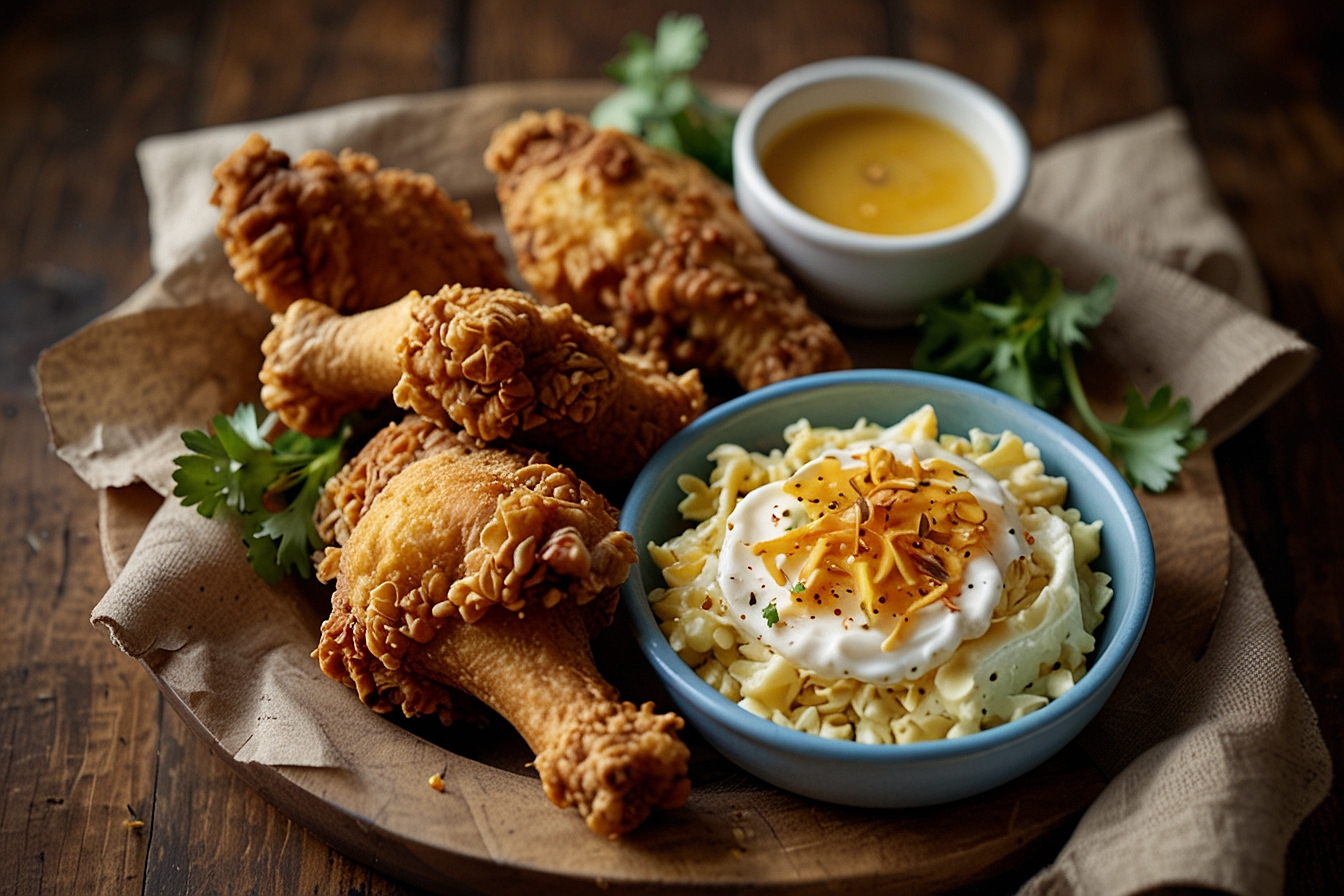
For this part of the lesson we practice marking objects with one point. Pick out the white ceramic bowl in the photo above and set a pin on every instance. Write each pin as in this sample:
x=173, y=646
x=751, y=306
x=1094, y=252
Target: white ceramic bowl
x=870, y=279
x=891, y=775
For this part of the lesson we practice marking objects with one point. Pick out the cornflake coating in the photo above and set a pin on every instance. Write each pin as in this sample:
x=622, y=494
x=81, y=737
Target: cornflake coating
x=489, y=360
x=320, y=365
x=503, y=367
x=481, y=569
x=348, y=495
x=342, y=232
x=652, y=243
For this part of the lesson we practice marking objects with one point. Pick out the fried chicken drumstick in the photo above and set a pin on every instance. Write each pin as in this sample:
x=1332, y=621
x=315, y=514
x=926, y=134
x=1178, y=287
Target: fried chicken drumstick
x=340, y=231
x=652, y=243
x=486, y=571
x=491, y=361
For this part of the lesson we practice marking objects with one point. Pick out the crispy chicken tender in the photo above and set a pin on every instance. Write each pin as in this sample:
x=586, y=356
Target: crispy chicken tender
x=491, y=361
x=340, y=231
x=652, y=243
x=487, y=571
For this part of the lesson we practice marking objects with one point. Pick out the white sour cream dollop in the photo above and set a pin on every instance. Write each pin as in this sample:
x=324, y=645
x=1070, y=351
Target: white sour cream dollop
x=849, y=645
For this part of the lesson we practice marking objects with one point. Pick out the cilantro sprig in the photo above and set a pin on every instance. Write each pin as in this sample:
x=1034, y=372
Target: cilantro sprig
x=272, y=486
x=1016, y=331
x=659, y=103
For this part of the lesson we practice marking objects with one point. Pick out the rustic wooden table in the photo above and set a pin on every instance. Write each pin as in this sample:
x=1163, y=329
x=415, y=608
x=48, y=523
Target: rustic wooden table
x=87, y=741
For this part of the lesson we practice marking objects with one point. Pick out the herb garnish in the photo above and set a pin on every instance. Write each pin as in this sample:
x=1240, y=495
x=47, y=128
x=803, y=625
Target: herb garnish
x=273, y=487
x=660, y=104
x=1016, y=330
x=771, y=614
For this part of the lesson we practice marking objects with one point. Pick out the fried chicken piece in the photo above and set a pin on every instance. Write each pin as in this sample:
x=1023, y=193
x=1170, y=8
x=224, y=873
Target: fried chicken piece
x=487, y=572
x=652, y=243
x=348, y=495
x=320, y=365
x=342, y=232
x=491, y=361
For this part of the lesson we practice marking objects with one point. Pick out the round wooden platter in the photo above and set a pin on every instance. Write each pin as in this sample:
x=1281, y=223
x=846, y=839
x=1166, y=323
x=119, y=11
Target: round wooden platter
x=492, y=829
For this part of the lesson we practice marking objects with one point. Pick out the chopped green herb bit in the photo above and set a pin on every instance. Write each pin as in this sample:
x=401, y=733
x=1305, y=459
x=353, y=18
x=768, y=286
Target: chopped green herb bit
x=771, y=614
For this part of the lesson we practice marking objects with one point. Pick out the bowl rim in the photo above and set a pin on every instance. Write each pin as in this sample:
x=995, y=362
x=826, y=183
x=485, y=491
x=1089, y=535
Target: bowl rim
x=1123, y=642
x=751, y=177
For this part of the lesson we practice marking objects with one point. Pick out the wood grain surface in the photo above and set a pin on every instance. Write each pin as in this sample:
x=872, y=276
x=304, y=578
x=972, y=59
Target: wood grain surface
x=88, y=743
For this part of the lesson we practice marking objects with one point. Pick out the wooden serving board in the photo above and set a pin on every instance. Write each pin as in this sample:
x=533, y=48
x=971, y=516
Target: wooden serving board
x=492, y=830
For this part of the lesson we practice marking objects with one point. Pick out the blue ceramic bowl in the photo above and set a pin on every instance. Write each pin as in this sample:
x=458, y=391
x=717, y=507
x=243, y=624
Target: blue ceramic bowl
x=881, y=775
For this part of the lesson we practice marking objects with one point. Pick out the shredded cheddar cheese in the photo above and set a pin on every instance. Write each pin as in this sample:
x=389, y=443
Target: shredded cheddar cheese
x=896, y=534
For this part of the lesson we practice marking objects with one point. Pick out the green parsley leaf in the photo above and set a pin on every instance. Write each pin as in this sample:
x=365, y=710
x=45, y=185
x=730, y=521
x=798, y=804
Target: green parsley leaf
x=680, y=43
x=999, y=333
x=1016, y=330
x=798, y=588
x=771, y=614
x=658, y=102
x=273, y=488
x=1152, y=440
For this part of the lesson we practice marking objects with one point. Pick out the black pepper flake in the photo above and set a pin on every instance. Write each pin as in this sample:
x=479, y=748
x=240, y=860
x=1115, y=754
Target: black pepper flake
x=882, y=599
x=1012, y=531
x=970, y=585
x=967, y=554
x=993, y=676
x=837, y=611
x=751, y=599
x=743, y=616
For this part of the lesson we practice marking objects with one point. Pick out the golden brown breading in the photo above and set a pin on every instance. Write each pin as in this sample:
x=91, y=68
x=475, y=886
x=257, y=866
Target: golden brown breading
x=487, y=571
x=654, y=244
x=491, y=361
x=342, y=232
x=503, y=367
x=348, y=495
x=321, y=365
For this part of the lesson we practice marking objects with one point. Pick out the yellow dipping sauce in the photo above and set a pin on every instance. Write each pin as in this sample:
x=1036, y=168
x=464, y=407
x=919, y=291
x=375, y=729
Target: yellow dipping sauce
x=879, y=170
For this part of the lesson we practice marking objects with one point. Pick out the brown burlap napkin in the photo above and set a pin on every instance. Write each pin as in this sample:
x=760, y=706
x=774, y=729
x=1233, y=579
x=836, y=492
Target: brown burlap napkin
x=1214, y=754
